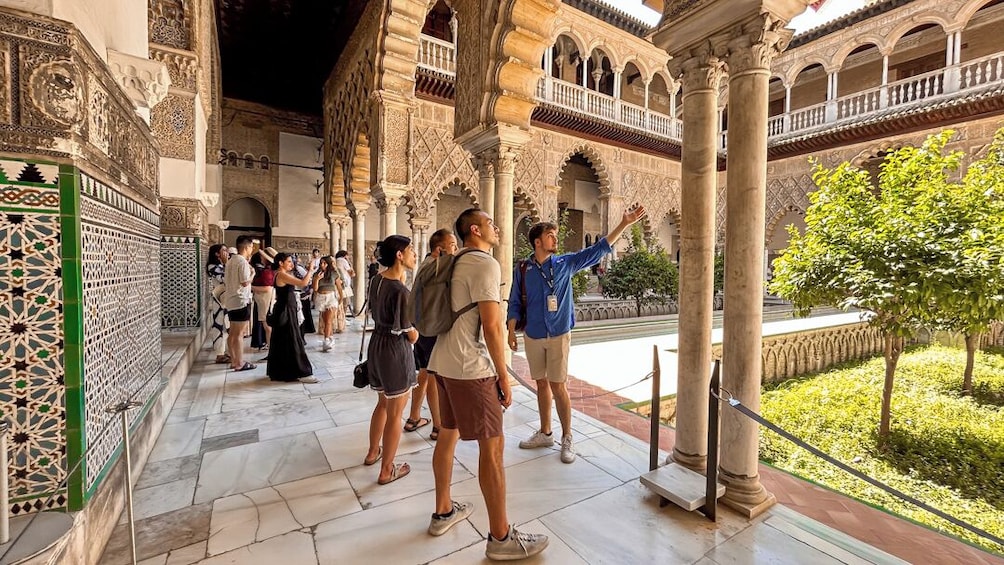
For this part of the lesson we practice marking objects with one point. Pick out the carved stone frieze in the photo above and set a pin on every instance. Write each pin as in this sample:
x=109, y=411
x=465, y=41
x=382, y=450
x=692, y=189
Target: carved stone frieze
x=182, y=216
x=69, y=105
x=298, y=245
x=660, y=194
x=145, y=81
x=173, y=122
x=182, y=67
x=170, y=23
x=437, y=161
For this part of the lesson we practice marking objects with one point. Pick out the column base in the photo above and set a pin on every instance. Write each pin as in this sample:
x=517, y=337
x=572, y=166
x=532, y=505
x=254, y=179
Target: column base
x=745, y=494
x=696, y=463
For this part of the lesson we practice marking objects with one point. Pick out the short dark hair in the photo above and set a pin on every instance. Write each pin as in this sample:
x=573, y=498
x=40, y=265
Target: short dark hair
x=388, y=248
x=438, y=237
x=243, y=242
x=469, y=217
x=279, y=258
x=341, y=253
x=537, y=231
x=315, y=250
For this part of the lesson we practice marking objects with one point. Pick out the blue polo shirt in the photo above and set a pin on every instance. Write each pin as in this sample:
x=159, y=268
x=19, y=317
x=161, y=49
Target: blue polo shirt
x=554, y=276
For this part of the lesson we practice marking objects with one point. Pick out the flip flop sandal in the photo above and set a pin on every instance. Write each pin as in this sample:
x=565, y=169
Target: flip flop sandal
x=412, y=425
x=435, y=433
x=399, y=471
x=246, y=367
x=221, y=359
x=375, y=459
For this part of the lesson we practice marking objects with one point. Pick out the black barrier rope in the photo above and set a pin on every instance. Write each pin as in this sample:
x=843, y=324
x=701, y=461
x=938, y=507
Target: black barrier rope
x=734, y=403
x=589, y=397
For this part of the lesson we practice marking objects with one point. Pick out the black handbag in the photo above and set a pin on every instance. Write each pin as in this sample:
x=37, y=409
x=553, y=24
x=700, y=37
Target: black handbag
x=360, y=374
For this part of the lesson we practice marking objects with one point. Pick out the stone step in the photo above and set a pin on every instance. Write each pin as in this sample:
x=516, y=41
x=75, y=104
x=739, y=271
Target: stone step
x=679, y=485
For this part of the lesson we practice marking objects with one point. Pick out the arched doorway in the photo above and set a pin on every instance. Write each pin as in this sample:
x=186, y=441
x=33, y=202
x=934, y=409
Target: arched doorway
x=248, y=216
x=451, y=202
x=579, y=199
x=777, y=241
x=668, y=235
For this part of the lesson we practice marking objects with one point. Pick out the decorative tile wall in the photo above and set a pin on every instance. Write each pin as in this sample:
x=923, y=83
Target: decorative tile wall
x=181, y=281
x=120, y=265
x=31, y=332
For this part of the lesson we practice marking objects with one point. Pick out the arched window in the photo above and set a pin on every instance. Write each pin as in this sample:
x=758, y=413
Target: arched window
x=248, y=161
x=264, y=162
x=232, y=159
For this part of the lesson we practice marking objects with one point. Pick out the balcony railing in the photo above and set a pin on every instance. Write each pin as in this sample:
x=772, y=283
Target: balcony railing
x=952, y=81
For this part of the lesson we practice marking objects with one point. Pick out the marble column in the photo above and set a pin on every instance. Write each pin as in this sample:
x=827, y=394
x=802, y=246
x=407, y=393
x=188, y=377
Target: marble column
x=505, y=172
x=749, y=57
x=388, y=218
x=486, y=183
x=359, y=258
x=332, y=236
x=343, y=234
x=702, y=73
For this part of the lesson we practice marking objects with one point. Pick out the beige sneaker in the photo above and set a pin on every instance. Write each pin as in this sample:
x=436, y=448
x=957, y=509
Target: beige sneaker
x=516, y=545
x=439, y=526
x=538, y=439
x=567, y=451
x=308, y=380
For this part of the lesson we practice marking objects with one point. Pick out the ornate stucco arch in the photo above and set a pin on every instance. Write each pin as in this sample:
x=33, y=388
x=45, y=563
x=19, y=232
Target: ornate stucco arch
x=775, y=220
x=795, y=70
x=840, y=56
x=534, y=208
x=608, y=50
x=572, y=34
x=420, y=207
x=233, y=198
x=932, y=17
x=595, y=159
x=643, y=68
x=873, y=151
x=967, y=12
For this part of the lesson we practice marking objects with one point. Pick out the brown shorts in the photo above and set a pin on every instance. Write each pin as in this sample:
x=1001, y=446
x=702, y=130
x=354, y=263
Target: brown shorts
x=470, y=406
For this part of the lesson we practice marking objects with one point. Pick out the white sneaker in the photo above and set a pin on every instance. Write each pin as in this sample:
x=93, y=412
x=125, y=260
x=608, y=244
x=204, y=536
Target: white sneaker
x=308, y=380
x=538, y=439
x=516, y=545
x=439, y=526
x=567, y=451
x=326, y=345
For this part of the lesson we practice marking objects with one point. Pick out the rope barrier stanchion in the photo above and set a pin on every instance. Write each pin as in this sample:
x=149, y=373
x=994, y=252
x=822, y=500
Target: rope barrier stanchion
x=737, y=405
x=654, y=421
x=710, y=508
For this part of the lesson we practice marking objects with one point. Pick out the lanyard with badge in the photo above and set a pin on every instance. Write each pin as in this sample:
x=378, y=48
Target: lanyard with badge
x=552, y=299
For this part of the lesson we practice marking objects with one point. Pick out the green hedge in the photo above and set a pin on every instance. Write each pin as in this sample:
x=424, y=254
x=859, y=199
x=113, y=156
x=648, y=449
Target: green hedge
x=945, y=449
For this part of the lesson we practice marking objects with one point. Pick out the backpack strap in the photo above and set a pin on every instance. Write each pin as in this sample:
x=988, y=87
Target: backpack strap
x=472, y=305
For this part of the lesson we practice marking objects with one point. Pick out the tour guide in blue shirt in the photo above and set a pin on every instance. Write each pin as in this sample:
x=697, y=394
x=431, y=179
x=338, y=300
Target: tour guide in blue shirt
x=549, y=319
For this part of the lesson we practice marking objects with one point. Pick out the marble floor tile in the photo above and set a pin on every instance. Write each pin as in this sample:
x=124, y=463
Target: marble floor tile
x=209, y=396
x=155, y=560
x=398, y=529
x=468, y=453
x=161, y=499
x=335, y=385
x=346, y=446
x=319, y=499
x=351, y=407
x=168, y=470
x=158, y=534
x=635, y=530
x=187, y=555
x=519, y=414
x=294, y=548
x=216, y=443
x=539, y=487
x=259, y=392
x=364, y=479
x=178, y=440
x=761, y=543
x=253, y=466
x=613, y=456
x=267, y=416
x=557, y=552
x=243, y=519
x=273, y=433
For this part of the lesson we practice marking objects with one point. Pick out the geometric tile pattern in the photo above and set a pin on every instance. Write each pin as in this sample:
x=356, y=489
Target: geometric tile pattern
x=120, y=266
x=31, y=333
x=181, y=282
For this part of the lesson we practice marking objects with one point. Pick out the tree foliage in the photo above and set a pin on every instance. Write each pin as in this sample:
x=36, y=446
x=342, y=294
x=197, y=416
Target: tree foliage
x=644, y=273
x=921, y=250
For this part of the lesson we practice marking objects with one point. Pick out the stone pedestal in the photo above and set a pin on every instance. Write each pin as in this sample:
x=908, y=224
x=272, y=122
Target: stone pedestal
x=702, y=73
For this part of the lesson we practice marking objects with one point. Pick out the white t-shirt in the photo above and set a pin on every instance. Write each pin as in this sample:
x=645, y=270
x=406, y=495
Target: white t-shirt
x=238, y=271
x=458, y=354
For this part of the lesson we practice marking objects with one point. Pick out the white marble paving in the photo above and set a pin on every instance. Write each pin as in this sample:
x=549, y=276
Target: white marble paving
x=468, y=453
x=267, y=417
x=421, y=479
x=351, y=407
x=294, y=548
x=557, y=552
x=319, y=499
x=209, y=395
x=346, y=446
x=243, y=519
x=178, y=440
x=248, y=467
x=162, y=498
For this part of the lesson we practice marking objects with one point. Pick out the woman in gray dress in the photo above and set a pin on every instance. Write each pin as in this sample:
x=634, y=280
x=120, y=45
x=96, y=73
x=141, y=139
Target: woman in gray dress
x=391, y=358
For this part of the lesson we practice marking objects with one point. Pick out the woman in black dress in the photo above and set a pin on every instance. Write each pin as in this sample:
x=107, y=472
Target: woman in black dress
x=287, y=356
x=391, y=358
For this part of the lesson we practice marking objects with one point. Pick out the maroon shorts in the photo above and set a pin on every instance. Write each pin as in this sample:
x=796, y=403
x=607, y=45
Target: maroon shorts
x=470, y=406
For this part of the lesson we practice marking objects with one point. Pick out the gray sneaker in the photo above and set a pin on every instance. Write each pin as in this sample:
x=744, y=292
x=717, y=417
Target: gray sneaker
x=567, y=451
x=538, y=439
x=439, y=526
x=516, y=545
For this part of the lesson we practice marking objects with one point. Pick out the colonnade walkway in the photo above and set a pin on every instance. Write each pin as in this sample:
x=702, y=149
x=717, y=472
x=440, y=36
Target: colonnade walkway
x=248, y=471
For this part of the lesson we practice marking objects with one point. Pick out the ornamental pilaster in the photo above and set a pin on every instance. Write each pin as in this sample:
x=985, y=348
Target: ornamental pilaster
x=183, y=217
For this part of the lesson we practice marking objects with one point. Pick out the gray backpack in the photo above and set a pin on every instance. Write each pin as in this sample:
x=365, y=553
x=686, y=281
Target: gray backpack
x=433, y=311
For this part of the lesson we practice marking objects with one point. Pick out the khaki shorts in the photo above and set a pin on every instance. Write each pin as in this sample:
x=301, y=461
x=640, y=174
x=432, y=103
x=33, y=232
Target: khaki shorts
x=263, y=301
x=470, y=406
x=548, y=357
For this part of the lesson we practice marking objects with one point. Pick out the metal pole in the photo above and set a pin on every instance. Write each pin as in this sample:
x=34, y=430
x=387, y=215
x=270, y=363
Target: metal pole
x=4, y=501
x=653, y=441
x=711, y=489
x=122, y=409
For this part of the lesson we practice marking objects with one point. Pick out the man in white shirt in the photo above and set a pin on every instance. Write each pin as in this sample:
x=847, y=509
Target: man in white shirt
x=346, y=272
x=473, y=389
x=237, y=300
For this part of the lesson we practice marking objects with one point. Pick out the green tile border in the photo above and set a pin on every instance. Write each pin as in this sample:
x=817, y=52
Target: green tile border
x=73, y=331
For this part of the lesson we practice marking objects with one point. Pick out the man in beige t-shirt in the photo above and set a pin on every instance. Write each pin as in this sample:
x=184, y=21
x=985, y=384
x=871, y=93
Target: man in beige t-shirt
x=473, y=388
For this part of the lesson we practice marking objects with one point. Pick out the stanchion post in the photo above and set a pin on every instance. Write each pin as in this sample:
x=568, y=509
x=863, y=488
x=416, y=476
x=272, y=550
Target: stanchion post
x=122, y=410
x=4, y=495
x=711, y=490
x=653, y=440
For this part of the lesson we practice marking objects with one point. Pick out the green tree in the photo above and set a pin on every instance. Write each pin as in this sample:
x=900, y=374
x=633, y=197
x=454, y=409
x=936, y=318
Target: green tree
x=644, y=273
x=969, y=259
x=580, y=280
x=872, y=248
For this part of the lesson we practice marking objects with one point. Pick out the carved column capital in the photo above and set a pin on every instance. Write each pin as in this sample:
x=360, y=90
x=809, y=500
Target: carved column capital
x=145, y=81
x=504, y=159
x=754, y=44
x=420, y=223
x=483, y=164
x=701, y=70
